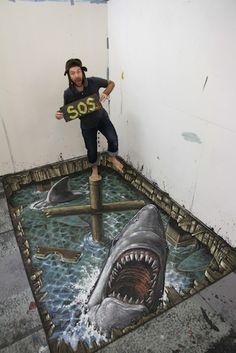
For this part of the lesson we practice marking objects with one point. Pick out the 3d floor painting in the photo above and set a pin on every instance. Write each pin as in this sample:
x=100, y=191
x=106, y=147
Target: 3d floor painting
x=104, y=256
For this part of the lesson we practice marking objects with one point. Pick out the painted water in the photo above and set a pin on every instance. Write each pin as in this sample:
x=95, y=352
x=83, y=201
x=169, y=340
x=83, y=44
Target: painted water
x=69, y=284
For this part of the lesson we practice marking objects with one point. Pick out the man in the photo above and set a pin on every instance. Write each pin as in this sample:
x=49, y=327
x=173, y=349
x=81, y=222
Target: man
x=81, y=87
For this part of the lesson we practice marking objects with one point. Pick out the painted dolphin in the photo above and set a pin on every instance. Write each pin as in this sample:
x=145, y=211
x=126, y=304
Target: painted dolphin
x=59, y=192
x=132, y=280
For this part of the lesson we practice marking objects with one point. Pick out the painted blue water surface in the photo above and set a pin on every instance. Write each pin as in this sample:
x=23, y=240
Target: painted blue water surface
x=69, y=284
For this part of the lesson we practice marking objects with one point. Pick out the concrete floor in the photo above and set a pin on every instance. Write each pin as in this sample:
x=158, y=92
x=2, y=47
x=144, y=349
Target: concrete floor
x=204, y=323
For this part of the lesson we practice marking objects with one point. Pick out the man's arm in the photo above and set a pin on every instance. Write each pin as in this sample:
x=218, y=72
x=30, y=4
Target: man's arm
x=107, y=91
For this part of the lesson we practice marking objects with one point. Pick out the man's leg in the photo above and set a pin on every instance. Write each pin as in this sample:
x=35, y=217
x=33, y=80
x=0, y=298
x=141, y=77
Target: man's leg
x=90, y=140
x=107, y=129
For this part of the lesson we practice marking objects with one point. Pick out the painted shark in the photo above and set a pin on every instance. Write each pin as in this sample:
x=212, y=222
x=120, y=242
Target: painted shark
x=131, y=282
x=59, y=193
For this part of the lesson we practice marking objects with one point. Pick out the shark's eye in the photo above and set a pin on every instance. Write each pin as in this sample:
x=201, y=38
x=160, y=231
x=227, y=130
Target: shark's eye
x=114, y=241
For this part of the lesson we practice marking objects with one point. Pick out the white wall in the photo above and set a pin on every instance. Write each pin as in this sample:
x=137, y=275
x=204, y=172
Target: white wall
x=36, y=39
x=183, y=134
x=165, y=49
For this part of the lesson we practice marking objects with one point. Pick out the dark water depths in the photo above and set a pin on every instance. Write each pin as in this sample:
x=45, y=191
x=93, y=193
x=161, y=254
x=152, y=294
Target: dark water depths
x=68, y=284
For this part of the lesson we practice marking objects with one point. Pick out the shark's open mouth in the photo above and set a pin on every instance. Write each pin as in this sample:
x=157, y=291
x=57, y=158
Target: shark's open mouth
x=131, y=283
x=134, y=277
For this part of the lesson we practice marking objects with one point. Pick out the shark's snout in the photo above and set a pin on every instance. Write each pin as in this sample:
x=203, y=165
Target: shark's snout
x=113, y=313
x=148, y=218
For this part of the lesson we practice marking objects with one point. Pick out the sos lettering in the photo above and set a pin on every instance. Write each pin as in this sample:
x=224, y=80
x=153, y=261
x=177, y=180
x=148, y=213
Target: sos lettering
x=82, y=108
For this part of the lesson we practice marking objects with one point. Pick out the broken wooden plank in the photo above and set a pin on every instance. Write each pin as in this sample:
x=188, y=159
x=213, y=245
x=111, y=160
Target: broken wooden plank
x=65, y=254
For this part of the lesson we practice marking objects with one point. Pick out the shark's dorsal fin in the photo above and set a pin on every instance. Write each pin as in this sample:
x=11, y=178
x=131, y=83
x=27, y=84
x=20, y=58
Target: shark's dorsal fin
x=60, y=191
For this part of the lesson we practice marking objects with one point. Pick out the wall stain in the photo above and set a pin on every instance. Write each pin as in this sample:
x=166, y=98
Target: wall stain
x=205, y=83
x=208, y=320
x=191, y=137
x=60, y=158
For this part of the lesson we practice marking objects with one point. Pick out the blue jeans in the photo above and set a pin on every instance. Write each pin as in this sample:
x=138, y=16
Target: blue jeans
x=106, y=127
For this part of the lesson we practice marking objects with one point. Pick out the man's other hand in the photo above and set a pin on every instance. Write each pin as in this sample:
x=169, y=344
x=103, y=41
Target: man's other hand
x=59, y=115
x=103, y=97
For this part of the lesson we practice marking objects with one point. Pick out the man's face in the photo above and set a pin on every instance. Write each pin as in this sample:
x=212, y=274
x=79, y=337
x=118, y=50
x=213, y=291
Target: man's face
x=76, y=75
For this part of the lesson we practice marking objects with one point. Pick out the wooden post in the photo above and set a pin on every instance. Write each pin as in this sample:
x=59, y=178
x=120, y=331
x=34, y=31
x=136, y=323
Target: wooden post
x=87, y=209
x=67, y=211
x=122, y=205
x=96, y=206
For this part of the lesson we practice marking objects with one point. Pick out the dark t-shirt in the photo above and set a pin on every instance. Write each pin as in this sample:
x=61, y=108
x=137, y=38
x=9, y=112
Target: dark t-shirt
x=71, y=94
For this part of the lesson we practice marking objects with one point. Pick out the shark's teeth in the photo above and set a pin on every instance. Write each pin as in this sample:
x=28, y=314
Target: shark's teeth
x=155, y=264
x=125, y=298
x=137, y=256
x=153, y=284
x=130, y=300
x=127, y=258
x=118, y=265
x=114, y=274
x=112, y=277
x=150, y=260
x=151, y=292
x=115, y=271
x=141, y=256
x=154, y=277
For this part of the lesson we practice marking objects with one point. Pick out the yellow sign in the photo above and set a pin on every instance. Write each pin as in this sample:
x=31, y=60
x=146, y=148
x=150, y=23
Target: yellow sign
x=81, y=107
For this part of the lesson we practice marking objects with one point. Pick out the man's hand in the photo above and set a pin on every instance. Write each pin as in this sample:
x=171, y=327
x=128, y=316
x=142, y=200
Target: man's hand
x=103, y=97
x=59, y=115
x=107, y=91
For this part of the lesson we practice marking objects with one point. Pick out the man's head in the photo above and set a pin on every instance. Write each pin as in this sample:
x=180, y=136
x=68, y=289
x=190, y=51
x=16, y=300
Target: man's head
x=75, y=71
